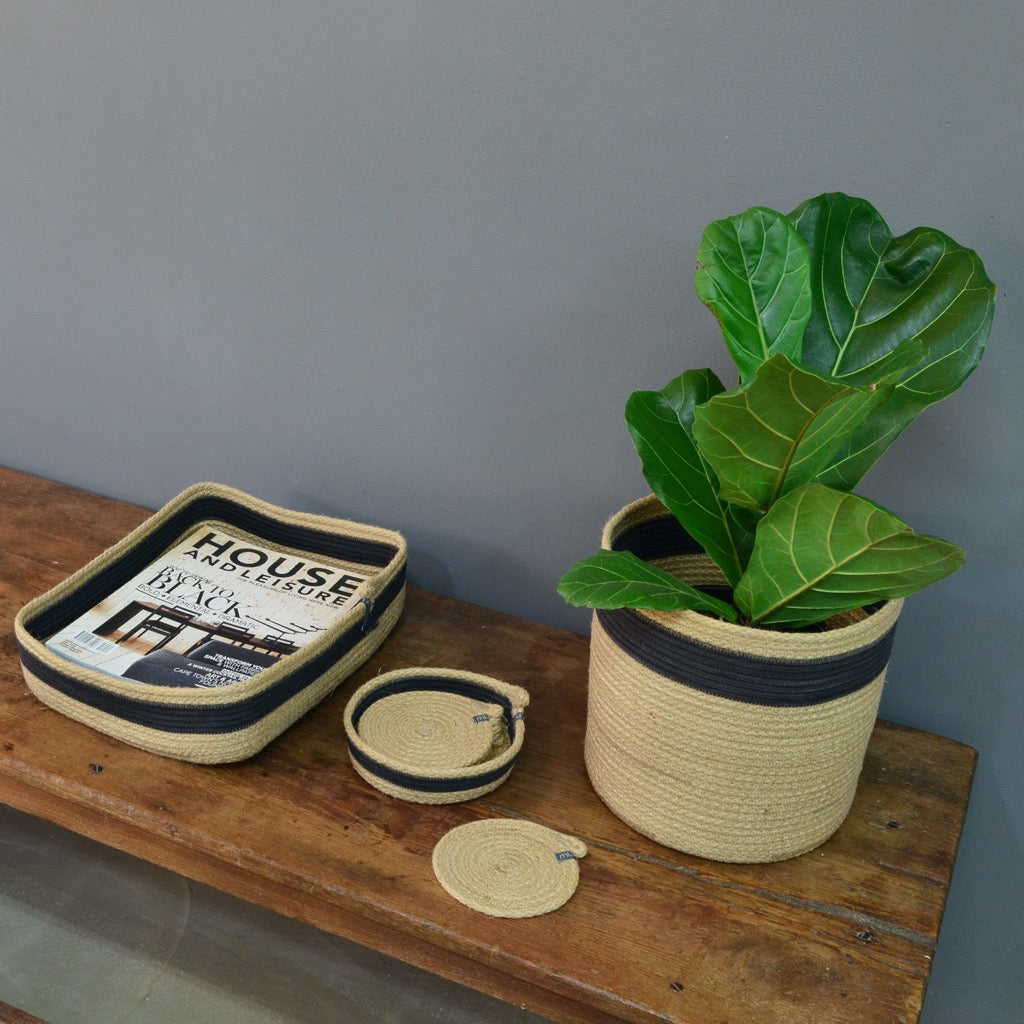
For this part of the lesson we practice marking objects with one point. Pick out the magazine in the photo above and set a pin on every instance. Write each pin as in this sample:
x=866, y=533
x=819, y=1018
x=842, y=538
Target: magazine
x=214, y=609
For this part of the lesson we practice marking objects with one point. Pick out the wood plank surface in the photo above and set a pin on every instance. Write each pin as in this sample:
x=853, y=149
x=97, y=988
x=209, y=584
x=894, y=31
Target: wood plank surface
x=12, y=1015
x=844, y=933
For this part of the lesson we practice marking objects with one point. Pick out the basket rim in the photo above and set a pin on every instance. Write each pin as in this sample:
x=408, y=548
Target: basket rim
x=512, y=699
x=784, y=645
x=183, y=711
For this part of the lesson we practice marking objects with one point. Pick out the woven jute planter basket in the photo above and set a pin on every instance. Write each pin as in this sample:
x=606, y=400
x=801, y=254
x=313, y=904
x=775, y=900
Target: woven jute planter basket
x=724, y=741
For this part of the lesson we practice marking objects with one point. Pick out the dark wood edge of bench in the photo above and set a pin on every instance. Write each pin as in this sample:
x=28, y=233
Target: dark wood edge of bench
x=12, y=1015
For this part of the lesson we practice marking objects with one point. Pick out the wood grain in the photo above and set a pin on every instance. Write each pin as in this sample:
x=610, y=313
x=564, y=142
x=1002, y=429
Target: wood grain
x=12, y=1015
x=845, y=933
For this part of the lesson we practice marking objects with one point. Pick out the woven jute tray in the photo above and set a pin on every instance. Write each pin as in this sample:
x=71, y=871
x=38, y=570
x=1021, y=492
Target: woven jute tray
x=223, y=723
x=437, y=735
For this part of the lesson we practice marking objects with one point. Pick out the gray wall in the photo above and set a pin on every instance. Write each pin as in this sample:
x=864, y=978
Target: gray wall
x=404, y=262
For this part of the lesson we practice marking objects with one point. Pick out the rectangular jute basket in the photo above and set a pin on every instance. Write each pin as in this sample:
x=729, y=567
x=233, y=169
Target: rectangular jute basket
x=226, y=723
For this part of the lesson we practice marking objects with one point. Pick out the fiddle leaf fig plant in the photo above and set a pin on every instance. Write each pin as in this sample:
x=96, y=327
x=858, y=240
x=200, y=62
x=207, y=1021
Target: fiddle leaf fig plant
x=841, y=334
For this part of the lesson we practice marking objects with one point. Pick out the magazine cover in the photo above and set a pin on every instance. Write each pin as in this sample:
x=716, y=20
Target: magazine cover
x=214, y=609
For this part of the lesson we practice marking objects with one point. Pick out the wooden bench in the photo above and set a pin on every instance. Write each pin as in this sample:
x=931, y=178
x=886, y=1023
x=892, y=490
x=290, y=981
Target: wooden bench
x=12, y=1015
x=845, y=933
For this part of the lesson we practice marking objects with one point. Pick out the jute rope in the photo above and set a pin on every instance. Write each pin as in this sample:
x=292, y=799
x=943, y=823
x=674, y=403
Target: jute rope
x=725, y=778
x=428, y=729
x=201, y=745
x=407, y=766
x=220, y=747
x=508, y=868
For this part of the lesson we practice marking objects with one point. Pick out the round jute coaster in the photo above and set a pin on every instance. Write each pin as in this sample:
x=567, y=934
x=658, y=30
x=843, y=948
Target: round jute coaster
x=508, y=868
x=430, y=729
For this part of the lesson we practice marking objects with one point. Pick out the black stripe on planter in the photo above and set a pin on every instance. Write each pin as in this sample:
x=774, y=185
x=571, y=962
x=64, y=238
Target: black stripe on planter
x=752, y=679
x=194, y=719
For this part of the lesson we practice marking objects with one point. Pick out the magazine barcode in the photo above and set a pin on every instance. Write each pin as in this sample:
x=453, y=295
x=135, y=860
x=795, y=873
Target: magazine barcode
x=95, y=643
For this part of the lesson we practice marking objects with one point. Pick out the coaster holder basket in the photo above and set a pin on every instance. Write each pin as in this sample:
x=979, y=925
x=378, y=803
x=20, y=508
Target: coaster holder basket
x=425, y=785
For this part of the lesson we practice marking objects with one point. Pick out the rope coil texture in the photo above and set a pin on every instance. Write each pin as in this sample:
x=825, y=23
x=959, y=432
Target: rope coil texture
x=722, y=771
x=230, y=723
x=425, y=729
x=508, y=868
x=435, y=736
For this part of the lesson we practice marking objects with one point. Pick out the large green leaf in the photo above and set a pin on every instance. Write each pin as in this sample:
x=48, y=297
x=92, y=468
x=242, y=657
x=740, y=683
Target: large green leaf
x=871, y=293
x=820, y=552
x=753, y=272
x=661, y=424
x=786, y=427
x=619, y=579
x=777, y=432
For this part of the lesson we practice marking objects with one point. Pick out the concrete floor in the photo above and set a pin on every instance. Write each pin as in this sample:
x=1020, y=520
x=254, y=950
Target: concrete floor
x=92, y=936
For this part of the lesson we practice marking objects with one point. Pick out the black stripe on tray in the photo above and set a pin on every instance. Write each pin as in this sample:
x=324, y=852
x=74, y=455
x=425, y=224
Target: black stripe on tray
x=212, y=719
x=313, y=541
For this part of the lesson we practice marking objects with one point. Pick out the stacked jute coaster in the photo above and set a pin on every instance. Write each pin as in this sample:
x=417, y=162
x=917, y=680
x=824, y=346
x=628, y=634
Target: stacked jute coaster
x=508, y=868
x=435, y=736
x=433, y=730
